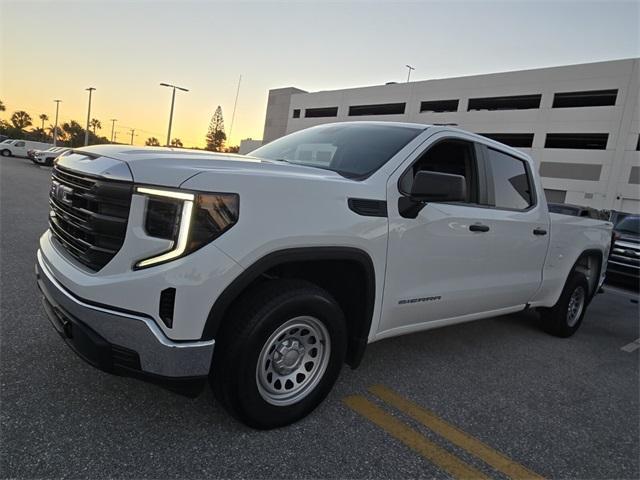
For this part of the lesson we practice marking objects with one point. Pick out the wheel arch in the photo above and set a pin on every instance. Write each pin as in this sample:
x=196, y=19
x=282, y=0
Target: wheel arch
x=332, y=268
x=589, y=263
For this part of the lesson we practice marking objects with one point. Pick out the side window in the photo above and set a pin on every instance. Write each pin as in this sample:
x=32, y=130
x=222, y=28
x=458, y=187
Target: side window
x=447, y=156
x=19, y=144
x=511, y=182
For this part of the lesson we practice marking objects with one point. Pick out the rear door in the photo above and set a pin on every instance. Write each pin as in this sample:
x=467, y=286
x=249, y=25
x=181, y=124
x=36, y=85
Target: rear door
x=520, y=225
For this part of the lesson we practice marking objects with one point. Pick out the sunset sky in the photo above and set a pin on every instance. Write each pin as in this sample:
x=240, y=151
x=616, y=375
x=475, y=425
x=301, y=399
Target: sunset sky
x=55, y=49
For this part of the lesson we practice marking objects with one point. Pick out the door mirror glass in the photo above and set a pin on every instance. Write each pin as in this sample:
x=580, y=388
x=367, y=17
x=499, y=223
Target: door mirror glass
x=438, y=187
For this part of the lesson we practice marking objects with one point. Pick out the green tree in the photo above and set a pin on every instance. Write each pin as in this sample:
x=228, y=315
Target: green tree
x=95, y=123
x=44, y=117
x=232, y=149
x=2, y=107
x=176, y=142
x=215, y=136
x=152, y=142
x=73, y=133
x=21, y=119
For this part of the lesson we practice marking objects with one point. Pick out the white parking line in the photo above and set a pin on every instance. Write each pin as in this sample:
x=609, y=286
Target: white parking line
x=630, y=347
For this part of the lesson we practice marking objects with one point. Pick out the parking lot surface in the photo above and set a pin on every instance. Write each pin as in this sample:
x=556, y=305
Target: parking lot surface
x=496, y=398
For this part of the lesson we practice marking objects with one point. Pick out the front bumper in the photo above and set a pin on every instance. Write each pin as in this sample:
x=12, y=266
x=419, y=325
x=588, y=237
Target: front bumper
x=117, y=341
x=623, y=268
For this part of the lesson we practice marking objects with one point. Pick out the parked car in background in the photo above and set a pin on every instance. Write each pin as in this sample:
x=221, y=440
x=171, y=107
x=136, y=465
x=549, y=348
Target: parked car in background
x=3, y=138
x=46, y=157
x=19, y=148
x=625, y=252
x=577, y=211
x=290, y=261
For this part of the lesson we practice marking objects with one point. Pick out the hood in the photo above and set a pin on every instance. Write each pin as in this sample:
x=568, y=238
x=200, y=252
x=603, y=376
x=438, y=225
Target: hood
x=171, y=167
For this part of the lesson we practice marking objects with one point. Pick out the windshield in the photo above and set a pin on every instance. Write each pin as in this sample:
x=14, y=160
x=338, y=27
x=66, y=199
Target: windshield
x=350, y=149
x=629, y=225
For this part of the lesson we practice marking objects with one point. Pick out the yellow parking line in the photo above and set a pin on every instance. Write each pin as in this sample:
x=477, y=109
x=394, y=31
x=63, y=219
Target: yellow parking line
x=456, y=436
x=412, y=439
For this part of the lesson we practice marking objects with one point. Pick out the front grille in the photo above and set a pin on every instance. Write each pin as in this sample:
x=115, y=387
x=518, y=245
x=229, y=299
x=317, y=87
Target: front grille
x=627, y=253
x=88, y=215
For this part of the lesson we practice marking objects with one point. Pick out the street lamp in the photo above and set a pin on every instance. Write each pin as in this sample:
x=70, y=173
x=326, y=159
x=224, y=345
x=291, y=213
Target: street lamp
x=86, y=132
x=113, y=124
x=55, y=128
x=409, y=74
x=173, y=99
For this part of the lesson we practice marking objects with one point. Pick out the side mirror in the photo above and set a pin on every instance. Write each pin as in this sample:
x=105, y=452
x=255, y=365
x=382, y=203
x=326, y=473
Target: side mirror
x=438, y=187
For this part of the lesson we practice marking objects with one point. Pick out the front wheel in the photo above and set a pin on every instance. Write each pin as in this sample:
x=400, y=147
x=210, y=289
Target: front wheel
x=565, y=317
x=6, y=153
x=279, y=353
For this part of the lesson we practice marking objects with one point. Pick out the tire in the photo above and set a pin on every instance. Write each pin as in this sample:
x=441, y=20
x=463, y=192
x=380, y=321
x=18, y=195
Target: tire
x=6, y=153
x=286, y=331
x=565, y=317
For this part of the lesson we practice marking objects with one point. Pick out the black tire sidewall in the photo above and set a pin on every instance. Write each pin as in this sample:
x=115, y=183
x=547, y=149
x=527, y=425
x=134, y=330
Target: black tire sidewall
x=254, y=409
x=556, y=318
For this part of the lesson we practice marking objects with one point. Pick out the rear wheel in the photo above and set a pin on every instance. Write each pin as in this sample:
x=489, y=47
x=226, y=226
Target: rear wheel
x=279, y=353
x=565, y=317
x=6, y=153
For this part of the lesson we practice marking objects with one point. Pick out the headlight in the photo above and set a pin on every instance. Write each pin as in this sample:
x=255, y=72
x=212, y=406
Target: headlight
x=189, y=220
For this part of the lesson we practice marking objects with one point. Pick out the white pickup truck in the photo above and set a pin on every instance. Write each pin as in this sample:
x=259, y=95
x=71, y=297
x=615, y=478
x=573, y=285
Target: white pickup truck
x=291, y=261
x=19, y=148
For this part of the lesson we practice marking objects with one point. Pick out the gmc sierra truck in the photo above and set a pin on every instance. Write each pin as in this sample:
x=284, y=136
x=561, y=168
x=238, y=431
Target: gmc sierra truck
x=264, y=274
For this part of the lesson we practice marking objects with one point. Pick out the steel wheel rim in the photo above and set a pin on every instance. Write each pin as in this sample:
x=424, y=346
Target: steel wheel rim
x=576, y=304
x=293, y=360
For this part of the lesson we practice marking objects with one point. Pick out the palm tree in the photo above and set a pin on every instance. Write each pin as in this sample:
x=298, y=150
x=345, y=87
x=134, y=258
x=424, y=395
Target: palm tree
x=152, y=142
x=95, y=123
x=21, y=119
x=52, y=129
x=44, y=118
x=176, y=142
x=2, y=107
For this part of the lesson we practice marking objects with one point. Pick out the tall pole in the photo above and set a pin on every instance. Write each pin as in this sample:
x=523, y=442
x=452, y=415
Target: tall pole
x=86, y=132
x=233, y=115
x=173, y=100
x=409, y=74
x=133, y=130
x=55, y=128
x=113, y=124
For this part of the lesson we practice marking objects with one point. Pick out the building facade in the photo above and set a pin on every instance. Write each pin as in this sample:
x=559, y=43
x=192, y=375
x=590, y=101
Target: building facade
x=580, y=123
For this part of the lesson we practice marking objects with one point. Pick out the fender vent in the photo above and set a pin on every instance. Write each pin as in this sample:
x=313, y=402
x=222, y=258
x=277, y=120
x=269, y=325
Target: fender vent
x=368, y=207
x=167, y=302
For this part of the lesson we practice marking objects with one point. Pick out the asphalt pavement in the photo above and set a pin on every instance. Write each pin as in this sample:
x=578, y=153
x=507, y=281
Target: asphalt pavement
x=491, y=397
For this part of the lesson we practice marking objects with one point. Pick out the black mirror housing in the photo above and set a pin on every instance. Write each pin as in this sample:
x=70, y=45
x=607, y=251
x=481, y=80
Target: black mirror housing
x=438, y=187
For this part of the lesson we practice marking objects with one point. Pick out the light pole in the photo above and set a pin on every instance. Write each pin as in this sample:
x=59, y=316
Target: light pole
x=55, y=128
x=409, y=74
x=86, y=132
x=133, y=131
x=113, y=124
x=173, y=99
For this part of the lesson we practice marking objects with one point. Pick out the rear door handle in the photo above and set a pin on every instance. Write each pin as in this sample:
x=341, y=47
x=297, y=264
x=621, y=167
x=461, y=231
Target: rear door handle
x=478, y=228
x=539, y=231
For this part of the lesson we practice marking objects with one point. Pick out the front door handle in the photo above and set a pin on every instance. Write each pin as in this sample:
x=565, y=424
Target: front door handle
x=478, y=227
x=539, y=231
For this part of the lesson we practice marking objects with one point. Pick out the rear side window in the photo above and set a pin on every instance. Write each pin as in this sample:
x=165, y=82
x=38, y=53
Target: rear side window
x=511, y=182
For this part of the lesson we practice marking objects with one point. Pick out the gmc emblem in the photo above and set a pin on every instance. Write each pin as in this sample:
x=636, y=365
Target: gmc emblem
x=61, y=193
